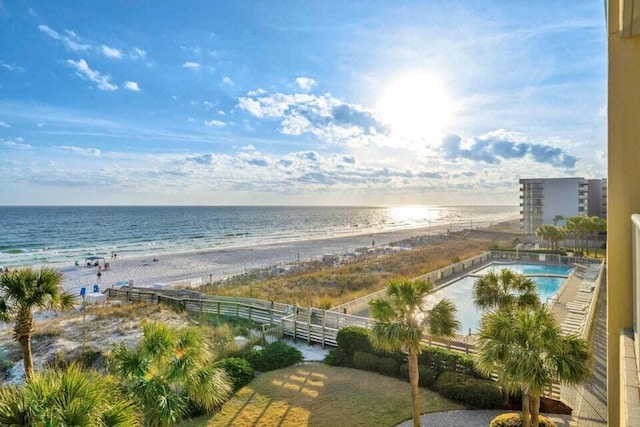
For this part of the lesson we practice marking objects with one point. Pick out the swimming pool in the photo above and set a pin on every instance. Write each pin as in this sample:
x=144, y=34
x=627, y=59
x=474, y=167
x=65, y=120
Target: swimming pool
x=461, y=291
x=529, y=269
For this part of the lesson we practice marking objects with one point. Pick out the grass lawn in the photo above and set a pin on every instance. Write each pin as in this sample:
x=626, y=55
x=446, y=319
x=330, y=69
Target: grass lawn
x=315, y=394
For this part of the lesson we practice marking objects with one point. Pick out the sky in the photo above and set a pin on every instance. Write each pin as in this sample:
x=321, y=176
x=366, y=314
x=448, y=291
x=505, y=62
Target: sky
x=297, y=102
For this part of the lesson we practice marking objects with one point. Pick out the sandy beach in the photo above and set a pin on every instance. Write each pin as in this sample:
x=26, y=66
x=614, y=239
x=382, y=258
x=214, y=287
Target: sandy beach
x=221, y=263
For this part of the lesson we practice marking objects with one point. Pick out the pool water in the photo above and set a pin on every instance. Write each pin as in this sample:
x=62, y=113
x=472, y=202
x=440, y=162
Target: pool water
x=529, y=269
x=461, y=291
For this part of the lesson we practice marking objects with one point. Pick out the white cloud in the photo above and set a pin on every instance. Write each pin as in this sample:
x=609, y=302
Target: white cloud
x=326, y=117
x=256, y=92
x=4, y=125
x=83, y=70
x=111, y=52
x=227, y=81
x=71, y=40
x=221, y=113
x=215, y=123
x=93, y=152
x=132, y=86
x=137, y=53
x=191, y=119
x=306, y=83
x=191, y=65
x=16, y=145
x=196, y=50
x=12, y=67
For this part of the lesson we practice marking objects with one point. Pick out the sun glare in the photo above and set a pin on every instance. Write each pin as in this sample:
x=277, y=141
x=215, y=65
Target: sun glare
x=416, y=106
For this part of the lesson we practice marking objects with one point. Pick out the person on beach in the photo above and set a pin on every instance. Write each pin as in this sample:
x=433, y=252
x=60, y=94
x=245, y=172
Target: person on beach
x=99, y=275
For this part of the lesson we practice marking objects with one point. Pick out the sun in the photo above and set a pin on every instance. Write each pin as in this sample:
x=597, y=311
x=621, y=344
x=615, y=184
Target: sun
x=416, y=106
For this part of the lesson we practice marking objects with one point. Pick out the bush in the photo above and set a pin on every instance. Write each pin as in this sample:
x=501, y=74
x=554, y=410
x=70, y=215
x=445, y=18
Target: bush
x=442, y=360
x=337, y=357
x=372, y=362
x=239, y=371
x=467, y=389
x=274, y=356
x=352, y=339
x=515, y=420
x=426, y=376
x=365, y=361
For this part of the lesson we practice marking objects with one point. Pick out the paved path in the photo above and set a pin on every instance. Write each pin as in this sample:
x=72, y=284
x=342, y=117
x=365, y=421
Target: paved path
x=476, y=418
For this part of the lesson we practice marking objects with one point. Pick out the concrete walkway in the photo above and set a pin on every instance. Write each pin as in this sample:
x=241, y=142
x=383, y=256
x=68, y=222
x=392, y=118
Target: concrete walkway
x=478, y=418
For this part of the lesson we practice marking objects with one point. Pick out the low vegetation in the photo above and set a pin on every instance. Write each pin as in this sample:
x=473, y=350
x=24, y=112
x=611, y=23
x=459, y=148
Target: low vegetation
x=274, y=356
x=320, y=285
x=515, y=420
x=471, y=391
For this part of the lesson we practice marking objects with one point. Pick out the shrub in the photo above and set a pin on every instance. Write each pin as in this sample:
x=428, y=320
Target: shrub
x=365, y=361
x=442, y=360
x=239, y=371
x=467, y=389
x=372, y=362
x=426, y=376
x=515, y=420
x=352, y=339
x=337, y=357
x=274, y=356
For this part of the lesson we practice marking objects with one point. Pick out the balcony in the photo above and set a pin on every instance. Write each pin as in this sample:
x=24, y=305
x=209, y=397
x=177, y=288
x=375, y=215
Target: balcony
x=629, y=341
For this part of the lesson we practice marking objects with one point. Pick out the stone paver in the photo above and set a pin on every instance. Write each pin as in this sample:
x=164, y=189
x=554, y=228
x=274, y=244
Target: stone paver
x=476, y=418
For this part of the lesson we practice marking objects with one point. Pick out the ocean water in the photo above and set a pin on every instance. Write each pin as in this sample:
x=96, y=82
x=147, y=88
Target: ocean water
x=44, y=234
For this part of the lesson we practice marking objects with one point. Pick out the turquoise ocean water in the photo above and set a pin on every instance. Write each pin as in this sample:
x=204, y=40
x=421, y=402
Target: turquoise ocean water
x=37, y=235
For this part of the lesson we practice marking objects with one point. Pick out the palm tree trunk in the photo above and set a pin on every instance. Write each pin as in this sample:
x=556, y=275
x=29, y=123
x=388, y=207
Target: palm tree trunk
x=25, y=344
x=22, y=333
x=505, y=396
x=535, y=410
x=413, y=379
x=526, y=421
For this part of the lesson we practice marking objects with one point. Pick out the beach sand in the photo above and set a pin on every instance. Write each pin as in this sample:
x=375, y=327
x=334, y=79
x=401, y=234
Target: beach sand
x=218, y=264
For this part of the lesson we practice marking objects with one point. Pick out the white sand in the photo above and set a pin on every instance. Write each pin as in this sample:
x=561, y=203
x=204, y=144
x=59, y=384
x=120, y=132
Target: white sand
x=221, y=263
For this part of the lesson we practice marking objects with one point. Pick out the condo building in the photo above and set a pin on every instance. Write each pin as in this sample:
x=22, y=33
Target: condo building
x=544, y=200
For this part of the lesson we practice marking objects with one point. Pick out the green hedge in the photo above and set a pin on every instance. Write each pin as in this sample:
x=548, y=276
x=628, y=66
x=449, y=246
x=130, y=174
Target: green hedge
x=467, y=389
x=426, y=376
x=239, y=370
x=274, y=356
x=442, y=360
x=372, y=362
x=337, y=357
x=515, y=420
x=352, y=339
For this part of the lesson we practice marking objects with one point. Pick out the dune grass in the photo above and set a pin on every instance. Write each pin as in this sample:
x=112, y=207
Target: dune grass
x=323, y=286
x=315, y=394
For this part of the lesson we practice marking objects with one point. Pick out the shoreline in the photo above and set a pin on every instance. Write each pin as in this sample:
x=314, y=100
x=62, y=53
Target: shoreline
x=219, y=263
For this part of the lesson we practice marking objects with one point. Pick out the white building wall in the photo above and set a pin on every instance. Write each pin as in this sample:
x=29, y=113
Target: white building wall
x=560, y=197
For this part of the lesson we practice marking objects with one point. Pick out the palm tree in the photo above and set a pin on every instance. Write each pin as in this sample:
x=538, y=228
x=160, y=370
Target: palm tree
x=24, y=290
x=544, y=233
x=577, y=226
x=601, y=227
x=528, y=345
x=504, y=290
x=71, y=397
x=559, y=234
x=168, y=370
x=403, y=321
